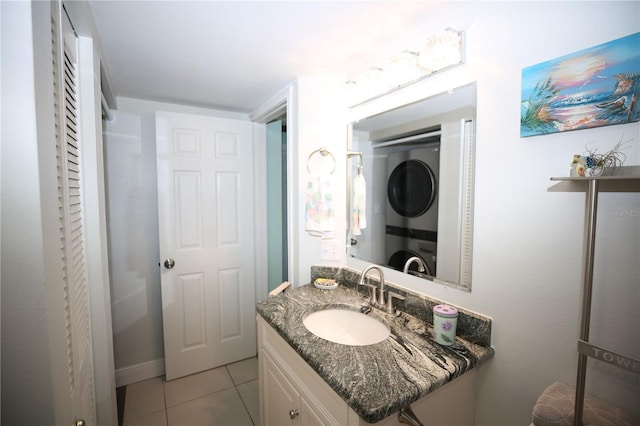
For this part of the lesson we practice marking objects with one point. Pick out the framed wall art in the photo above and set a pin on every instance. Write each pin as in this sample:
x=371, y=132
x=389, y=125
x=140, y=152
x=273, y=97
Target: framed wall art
x=598, y=86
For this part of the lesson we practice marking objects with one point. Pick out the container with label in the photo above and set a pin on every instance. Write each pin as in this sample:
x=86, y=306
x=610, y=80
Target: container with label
x=445, y=320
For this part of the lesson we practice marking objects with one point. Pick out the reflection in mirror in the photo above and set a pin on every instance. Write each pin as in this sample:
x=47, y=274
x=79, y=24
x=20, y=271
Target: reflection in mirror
x=417, y=161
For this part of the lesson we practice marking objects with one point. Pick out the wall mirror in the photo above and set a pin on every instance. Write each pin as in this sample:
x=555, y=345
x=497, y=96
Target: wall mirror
x=418, y=164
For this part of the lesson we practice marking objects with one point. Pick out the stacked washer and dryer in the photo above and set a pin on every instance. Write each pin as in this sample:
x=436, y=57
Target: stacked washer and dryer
x=412, y=201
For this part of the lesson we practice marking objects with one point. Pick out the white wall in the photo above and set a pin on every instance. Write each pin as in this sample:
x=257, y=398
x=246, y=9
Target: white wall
x=27, y=384
x=528, y=237
x=320, y=123
x=130, y=162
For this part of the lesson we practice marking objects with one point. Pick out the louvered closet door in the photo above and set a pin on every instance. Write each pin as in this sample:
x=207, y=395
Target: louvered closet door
x=72, y=244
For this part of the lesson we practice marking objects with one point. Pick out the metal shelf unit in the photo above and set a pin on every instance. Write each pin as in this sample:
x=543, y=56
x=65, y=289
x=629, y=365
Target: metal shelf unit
x=586, y=349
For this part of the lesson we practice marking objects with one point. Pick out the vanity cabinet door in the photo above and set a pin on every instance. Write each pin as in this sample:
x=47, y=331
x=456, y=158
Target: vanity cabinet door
x=291, y=393
x=280, y=399
x=310, y=417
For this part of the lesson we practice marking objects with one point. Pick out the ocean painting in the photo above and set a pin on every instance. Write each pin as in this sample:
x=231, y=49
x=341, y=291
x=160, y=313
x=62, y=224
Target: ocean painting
x=599, y=86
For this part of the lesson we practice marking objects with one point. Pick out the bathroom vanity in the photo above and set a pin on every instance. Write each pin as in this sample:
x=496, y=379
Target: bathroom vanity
x=305, y=379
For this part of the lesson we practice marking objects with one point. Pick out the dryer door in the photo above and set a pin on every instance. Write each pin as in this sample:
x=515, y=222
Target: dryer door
x=411, y=188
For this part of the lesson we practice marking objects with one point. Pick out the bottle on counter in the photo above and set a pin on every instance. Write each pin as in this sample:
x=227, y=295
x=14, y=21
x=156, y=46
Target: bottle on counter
x=445, y=321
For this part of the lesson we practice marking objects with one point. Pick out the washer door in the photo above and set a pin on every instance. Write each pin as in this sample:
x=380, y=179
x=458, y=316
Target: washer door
x=411, y=188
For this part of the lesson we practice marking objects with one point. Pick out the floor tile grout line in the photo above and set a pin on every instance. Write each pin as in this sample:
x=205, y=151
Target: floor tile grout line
x=164, y=393
x=166, y=409
x=199, y=397
x=138, y=415
x=234, y=385
x=246, y=408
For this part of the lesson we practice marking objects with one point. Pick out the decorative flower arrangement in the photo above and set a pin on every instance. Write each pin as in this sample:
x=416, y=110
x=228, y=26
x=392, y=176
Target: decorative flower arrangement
x=593, y=164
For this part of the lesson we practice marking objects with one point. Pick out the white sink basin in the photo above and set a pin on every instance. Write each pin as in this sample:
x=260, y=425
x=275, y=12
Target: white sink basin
x=346, y=327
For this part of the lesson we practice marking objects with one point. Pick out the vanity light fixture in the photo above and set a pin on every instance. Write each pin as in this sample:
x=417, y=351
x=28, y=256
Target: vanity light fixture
x=440, y=51
x=403, y=67
x=372, y=81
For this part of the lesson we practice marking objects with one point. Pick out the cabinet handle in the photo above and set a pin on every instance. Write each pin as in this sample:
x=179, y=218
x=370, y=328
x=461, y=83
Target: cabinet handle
x=293, y=414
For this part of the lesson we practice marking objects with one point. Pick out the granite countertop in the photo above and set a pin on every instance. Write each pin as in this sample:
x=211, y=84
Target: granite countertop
x=375, y=380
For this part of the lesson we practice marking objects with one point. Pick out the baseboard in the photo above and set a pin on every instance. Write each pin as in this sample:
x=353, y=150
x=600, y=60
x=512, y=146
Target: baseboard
x=139, y=372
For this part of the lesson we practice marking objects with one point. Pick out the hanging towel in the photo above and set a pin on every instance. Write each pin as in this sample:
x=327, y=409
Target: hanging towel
x=359, y=208
x=319, y=209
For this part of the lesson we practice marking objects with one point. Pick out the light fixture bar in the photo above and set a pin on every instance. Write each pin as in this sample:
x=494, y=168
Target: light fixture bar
x=441, y=51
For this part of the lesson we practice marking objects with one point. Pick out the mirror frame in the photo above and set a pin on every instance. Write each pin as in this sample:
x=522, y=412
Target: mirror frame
x=467, y=190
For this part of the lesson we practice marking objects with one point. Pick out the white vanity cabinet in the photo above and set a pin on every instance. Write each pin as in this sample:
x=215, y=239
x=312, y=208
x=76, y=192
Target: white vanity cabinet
x=282, y=401
x=292, y=393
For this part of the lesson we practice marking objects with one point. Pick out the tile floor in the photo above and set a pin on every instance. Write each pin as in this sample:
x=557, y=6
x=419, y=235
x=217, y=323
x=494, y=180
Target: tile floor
x=225, y=396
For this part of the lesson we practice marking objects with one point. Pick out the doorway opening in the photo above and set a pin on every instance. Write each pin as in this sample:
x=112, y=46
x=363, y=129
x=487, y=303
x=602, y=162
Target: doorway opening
x=277, y=233
x=278, y=259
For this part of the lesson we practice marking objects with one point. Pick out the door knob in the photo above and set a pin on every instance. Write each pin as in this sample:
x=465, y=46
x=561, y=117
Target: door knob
x=169, y=263
x=293, y=414
x=79, y=422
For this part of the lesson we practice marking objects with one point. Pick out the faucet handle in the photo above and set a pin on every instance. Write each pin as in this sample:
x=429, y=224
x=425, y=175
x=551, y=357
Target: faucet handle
x=373, y=300
x=390, y=297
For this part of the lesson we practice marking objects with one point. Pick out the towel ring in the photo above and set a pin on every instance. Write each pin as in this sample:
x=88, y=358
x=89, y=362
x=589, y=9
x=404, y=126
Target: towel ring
x=324, y=152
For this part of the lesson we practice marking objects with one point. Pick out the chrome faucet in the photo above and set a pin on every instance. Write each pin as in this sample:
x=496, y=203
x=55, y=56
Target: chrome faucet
x=421, y=266
x=366, y=270
x=379, y=301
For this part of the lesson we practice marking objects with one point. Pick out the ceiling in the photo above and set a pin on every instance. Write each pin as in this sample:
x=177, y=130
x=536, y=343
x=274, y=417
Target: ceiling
x=234, y=55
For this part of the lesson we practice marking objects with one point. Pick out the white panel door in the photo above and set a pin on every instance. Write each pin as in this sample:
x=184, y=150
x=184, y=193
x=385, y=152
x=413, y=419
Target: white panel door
x=205, y=210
